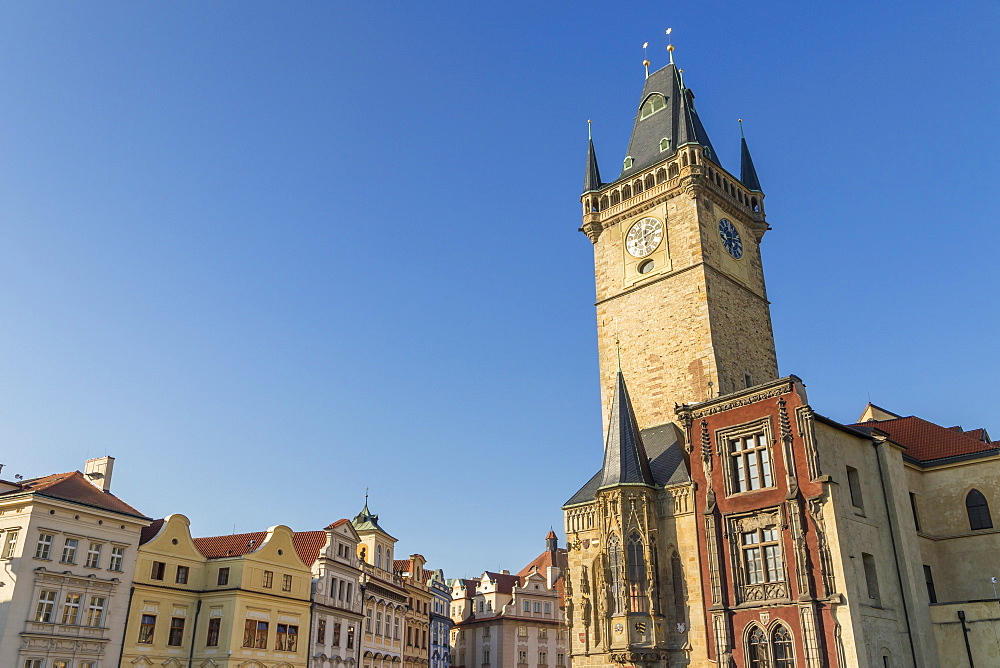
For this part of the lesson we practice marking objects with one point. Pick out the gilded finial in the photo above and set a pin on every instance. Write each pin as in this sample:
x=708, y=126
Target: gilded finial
x=589, y=136
x=741, y=128
x=645, y=60
x=670, y=47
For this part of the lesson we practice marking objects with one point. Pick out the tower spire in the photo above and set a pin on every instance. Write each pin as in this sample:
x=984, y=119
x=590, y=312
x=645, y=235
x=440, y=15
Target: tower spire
x=625, y=459
x=748, y=175
x=592, y=179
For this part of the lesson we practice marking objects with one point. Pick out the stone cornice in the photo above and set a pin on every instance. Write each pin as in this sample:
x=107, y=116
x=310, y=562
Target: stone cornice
x=690, y=412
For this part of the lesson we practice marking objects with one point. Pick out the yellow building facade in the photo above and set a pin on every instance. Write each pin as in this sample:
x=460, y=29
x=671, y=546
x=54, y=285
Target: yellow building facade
x=240, y=600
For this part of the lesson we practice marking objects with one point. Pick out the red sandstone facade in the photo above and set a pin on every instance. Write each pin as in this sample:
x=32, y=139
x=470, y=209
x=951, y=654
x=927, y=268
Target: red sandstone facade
x=766, y=572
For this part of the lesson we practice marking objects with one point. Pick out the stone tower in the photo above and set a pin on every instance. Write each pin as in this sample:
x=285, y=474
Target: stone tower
x=680, y=284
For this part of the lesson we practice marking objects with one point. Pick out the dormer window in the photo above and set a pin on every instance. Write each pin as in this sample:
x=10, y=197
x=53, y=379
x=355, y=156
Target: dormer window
x=664, y=144
x=629, y=160
x=653, y=104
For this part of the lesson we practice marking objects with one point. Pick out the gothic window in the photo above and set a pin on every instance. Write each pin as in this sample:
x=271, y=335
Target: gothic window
x=637, y=575
x=757, y=654
x=649, y=181
x=615, y=198
x=979, y=511
x=627, y=190
x=615, y=565
x=781, y=645
x=762, y=556
x=750, y=460
x=674, y=171
x=661, y=176
x=677, y=578
x=653, y=104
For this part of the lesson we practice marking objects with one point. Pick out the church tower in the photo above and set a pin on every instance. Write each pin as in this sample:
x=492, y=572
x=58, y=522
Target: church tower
x=680, y=285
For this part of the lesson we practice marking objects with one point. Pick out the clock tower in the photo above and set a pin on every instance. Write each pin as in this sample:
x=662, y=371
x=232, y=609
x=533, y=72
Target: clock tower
x=682, y=308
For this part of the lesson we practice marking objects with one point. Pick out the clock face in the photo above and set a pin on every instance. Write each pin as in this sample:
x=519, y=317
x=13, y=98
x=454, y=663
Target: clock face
x=643, y=238
x=731, y=238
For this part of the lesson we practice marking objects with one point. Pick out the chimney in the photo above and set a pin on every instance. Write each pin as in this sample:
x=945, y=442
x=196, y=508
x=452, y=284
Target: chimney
x=98, y=472
x=551, y=575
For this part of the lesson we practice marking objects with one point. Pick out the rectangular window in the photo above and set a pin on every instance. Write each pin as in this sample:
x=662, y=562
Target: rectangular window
x=176, y=635
x=71, y=609
x=871, y=576
x=349, y=590
x=929, y=580
x=543, y=658
x=94, y=555
x=10, y=545
x=212, y=639
x=268, y=579
x=223, y=576
x=486, y=656
x=340, y=590
x=157, y=570
x=117, y=558
x=60, y=664
x=395, y=628
x=147, y=627
x=95, y=612
x=321, y=631
x=854, y=482
x=527, y=606
x=286, y=583
x=762, y=556
x=378, y=623
x=33, y=663
x=486, y=632
x=913, y=509
x=548, y=608
x=538, y=606
x=43, y=548
x=543, y=634
x=368, y=621
x=751, y=463
x=46, y=603
x=287, y=638
x=255, y=634
x=181, y=577
x=409, y=636
x=87, y=664
x=350, y=637
x=69, y=551
x=522, y=631
x=522, y=656
x=560, y=659
x=336, y=634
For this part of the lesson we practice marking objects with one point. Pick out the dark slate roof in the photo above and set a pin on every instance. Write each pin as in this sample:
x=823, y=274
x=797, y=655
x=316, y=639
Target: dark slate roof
x=666, y=462
x=678, y=122
x=625, y=460
x=748, y=175
x=592, y=179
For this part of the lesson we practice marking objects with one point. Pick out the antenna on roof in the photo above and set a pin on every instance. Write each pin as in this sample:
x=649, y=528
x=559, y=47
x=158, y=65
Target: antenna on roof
x=670, y=47
x=645, y=60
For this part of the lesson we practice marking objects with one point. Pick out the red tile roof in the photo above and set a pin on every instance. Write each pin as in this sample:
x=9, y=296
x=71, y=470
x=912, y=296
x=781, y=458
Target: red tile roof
x=505, y=582
x=149, y=533
x=336, y=524
x=307, y=544
x=74, y=487
x=559, y=559
x=926, y=441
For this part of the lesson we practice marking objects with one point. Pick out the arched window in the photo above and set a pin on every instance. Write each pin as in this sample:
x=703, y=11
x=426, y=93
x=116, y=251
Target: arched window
x=757, y=654
x=637, y=575
x=604, y=203
x=615, y=565
x=674, y=171
x=626, y=192
x=664, y=144
x=637, y=186
x=649, y=181
x=615, y=198
x=661, y=176
x=378, y=556
x=653, y=104
x=979, y=511
x=781, y=644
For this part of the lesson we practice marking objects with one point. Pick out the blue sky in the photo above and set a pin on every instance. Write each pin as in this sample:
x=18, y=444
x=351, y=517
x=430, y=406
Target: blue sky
x=268, y=255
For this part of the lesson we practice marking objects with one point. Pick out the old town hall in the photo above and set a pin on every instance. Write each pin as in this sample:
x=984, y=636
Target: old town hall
x=731, y=524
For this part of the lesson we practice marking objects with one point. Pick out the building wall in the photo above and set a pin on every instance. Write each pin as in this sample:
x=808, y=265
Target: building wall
x=25, y=577
x=337, y=608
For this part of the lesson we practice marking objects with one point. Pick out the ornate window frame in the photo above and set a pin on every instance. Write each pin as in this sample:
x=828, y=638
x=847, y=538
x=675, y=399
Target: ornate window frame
x=758, y=593
x=723, y=439
x=768, y=630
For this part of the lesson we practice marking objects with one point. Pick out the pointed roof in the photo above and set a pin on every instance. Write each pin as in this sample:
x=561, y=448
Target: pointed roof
x=592, y=179
x=625, y=460
x=677, y=122
x=748, y=175
x=367, y=521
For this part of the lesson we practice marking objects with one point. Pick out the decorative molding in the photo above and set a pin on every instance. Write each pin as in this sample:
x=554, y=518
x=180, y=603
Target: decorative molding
x=802, y=579
x=713, y=406
x=759, y=520
x=811, y=641
x=815, y=507
x=807, y=430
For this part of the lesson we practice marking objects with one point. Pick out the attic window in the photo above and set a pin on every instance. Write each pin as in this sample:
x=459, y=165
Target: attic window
x=628, y=162
x=664, y=144
x=653, y=104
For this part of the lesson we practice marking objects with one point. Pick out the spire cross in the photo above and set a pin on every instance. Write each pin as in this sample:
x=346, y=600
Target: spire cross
x=366, y=496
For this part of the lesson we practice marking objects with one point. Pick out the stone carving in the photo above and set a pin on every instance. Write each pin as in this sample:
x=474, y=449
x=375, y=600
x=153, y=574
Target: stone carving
x=686, y=413
x=759, y=520
x=767, y=591
x=815, y=506
x=713, y=560
x=801, y=553
x=810, y=638
x=804, y=421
